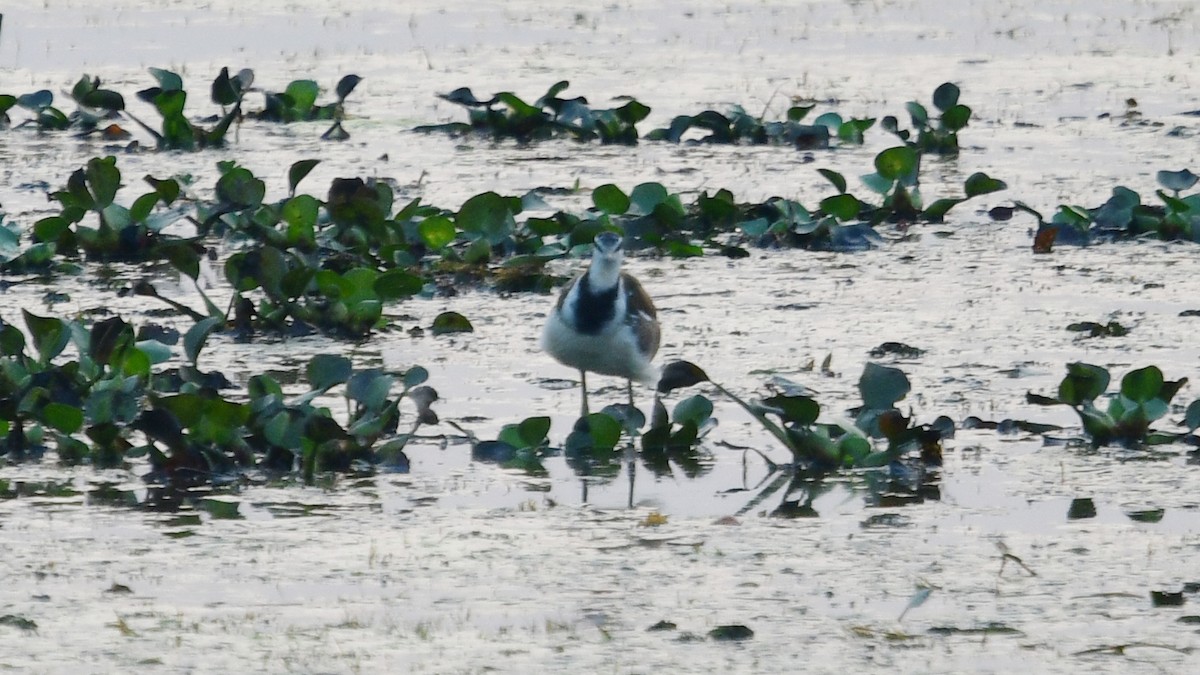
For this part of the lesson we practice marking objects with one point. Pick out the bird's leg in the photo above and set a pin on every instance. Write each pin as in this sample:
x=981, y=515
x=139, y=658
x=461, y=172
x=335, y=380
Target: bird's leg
x=629, y=388
x=583, y=387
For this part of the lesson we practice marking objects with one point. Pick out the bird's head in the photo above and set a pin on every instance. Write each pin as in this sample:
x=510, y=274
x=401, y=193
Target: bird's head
x=610, y=248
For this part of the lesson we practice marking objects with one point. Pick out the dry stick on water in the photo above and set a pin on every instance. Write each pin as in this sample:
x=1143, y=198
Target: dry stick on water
x=1006, y=556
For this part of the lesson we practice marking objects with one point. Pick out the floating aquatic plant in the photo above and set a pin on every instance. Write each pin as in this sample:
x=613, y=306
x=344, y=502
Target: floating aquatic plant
x=1124, y=215
x=1143, y=398
x=110, y=399
x=506, y=116
x=792, y=420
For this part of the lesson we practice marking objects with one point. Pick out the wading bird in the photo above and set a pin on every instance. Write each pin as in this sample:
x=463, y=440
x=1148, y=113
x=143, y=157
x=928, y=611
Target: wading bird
x=604, y=322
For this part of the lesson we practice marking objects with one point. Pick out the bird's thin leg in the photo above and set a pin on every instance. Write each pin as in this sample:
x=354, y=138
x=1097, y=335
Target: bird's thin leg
x=629, y=388
x=583, y=387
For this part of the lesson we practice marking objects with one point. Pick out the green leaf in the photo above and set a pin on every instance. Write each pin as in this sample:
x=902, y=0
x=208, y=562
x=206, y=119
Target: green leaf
x=945, y=96
x=1083, y=383
x=225, y=90
x=328, y=370
x=346, y=85
x=50, y=335
x=980, y=183
x=597, y=431
x=645, y=197
x=533, y=431
x=843, y=207
x=610, y=199
x=838, y=180
x=197, y=335
x=936, y=211
x=797, y=410
x=240, y=188
x=415, y=376
x=1192, y=417
x=65, y=418
x=956, y=118
x=298, y=171
x=303, y=94
x=300, y=213
x=437, y=232
x=1143, y=384
x=451, y=322
x=167, y=80
x=882, y=386
x=108, y=336
x=486, y=215
x=1176, y=180
x=897, y=163
x=370, y=388
x=695, y=409
x=396, y=284
x=104, y=180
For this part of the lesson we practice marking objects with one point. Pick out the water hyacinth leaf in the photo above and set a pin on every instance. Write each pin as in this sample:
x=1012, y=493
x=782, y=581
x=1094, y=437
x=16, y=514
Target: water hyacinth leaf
x=797, y=410
x=303, y=94
x=346, y=85
x=423, y=397
x=1176, y=180
x=610, y=199
x=882, y=386
x=166, y=188
x=225, y=90
x=197, y=335
x=533, y=431
x=486, y=215
x=830, y=120
x=695, y=409
x=645, y=197
x=300, y=213
x=956, y=118
x=12, y=340
x=918, y=113
x=104, y=180
x=106, y=337
x=415, y=376
x=370, y=388
x=451, y=322
x=838, y=180
x=936, y=212
x=1084, y=383
x=238, y=187
x=1191, y=417
x=136, y=362
x=980, y=183
x=167, y=80
x=437, y=232
x=328, y=370
x=680, y=375
x=298, y=171
x=261, y=386
x=66, y=418
x=877, y=183
x=396, y=284
x=897, y=163
x=843, y=207
x=154, y=350
x=946, y=96
x=37, y=100
x=755, y=228
x=463, y=96
x=682, y=249
x=50, y=335
x=1142, y=384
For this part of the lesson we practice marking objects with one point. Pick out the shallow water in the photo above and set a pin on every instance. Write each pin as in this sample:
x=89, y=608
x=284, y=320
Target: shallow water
x=463, y=567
